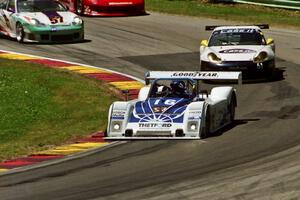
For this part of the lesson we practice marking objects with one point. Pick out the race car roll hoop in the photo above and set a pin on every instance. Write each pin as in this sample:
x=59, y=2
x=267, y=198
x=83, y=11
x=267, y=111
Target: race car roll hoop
x=173, y=105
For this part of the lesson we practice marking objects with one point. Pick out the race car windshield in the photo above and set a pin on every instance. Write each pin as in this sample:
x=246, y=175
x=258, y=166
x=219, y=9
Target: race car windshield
x=172, y=88
x=40, y=6
x=236, y=37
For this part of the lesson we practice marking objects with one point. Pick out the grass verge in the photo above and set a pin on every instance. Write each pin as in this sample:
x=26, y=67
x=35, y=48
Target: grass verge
x=42, y=107
x=235, y=12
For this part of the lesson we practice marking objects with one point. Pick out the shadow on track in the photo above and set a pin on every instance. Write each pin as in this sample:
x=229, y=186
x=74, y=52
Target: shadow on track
x=44, y=43
x=235, y=123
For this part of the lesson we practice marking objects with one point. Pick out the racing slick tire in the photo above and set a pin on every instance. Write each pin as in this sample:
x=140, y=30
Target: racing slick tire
x=79, y=7
x=271, y=71
x=231, y=108
x=204, y=132
x=20, y=34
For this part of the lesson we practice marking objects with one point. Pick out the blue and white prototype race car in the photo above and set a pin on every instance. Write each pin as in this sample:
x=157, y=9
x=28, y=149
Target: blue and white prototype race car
x=173, y=106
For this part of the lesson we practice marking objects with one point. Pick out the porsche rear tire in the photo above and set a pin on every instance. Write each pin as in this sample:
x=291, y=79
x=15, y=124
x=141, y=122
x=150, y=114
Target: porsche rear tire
x=20, y=34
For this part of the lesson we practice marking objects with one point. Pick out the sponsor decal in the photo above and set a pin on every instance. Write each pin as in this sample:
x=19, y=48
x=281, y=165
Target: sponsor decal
x=194, y=115
x=159, y=109
x=118, y=113
x=237, y=30
x=118, y=118
x=155, y=125
x=194, y=74
x=119, y=3
x=231, y=51
x=7, y=21
x=194, y=118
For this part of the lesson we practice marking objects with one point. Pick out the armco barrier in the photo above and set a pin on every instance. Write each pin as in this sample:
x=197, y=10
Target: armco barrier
x=287, y=4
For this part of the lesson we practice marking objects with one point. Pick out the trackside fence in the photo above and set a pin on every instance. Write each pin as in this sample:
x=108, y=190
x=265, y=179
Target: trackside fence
x=287, y=4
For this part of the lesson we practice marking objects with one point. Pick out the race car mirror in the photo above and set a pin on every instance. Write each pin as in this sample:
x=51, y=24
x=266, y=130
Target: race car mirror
x=204, y=43
x=11, y=10
x=270, y=41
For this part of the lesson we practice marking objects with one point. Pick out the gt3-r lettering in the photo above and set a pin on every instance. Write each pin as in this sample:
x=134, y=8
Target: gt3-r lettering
x=239, y=30
x=229, y=51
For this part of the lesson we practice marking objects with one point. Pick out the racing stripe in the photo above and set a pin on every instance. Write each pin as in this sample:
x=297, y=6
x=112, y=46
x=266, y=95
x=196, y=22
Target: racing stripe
x=53, y=16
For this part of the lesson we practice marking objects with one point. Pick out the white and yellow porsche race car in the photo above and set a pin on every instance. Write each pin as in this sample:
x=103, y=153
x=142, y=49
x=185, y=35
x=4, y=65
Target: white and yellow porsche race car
x=238, y=48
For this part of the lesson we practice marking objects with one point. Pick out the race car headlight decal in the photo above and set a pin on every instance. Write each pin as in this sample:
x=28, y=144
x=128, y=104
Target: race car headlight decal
x=33, y=21
x=116, y=126
x=193, y=126
x=77, y=21
x=212, y=57
x=261, y=57
x=36, y=22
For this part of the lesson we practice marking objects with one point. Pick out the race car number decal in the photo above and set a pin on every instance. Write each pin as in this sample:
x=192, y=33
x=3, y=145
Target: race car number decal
x=56, y=19
x=169, y=102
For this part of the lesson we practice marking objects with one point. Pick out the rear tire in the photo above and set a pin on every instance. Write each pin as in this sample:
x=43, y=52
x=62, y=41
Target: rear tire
x=79, y=7
x=20, y=34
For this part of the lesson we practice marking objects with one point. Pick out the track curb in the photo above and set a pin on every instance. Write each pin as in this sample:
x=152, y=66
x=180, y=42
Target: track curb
x=85, y=146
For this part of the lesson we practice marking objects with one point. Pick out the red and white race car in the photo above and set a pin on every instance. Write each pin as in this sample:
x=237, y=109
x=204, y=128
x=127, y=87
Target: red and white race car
x=106, y=7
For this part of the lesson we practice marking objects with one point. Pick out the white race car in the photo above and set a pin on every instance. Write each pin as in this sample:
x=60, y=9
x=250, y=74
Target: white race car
x=172, y=105
x=39, y=21
x=238, y=48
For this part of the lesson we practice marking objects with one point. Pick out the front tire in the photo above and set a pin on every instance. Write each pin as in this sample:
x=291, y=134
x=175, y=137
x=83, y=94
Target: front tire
x=20, y=34
x=232, y=112
x=270, y=72
x=205, y=130
x=231, y=109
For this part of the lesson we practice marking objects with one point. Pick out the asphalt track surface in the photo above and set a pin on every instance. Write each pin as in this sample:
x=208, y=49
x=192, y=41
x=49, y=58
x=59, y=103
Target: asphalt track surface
x=257, y=158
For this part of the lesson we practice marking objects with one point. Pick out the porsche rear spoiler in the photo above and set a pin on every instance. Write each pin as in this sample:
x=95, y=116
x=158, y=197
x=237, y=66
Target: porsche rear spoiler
x=261, y=26
x=195, y=75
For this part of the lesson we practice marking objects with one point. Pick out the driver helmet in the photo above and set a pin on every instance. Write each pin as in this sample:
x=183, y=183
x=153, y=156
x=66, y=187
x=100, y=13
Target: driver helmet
x=162, y=91
x=178, y=87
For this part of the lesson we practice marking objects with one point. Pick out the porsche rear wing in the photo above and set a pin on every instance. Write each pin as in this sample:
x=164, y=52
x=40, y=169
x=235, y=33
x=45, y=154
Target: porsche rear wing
x=195, y=75
x=261, y=26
